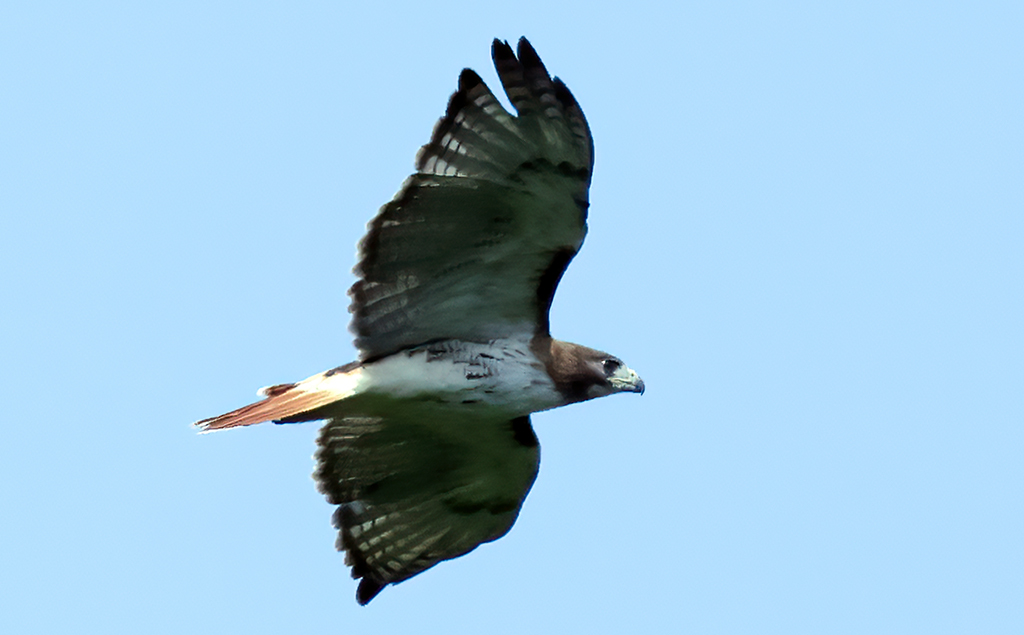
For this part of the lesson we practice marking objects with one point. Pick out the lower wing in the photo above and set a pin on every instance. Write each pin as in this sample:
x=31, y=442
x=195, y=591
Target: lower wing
x=421, y=485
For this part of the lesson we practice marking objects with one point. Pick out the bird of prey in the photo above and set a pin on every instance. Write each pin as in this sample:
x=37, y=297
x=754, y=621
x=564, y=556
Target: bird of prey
x=427, y=449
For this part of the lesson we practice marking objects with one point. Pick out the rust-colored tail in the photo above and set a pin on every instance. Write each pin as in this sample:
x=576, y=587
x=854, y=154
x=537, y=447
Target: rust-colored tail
x=291, y=402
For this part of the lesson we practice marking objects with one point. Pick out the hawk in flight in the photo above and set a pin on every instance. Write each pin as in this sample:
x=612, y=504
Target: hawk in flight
x=427, y=449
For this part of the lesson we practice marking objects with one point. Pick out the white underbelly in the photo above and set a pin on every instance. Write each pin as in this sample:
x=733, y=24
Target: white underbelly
x=502, y=374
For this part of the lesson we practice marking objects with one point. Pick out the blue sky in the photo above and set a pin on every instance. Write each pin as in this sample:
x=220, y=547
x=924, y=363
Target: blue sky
x=806, y=232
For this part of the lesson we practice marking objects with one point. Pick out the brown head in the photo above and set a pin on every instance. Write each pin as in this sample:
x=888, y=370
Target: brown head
x=582, y=373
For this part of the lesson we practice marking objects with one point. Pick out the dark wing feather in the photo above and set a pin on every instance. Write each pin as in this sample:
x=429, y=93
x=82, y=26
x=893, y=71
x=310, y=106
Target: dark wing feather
x=474, y=244
x=414, y=490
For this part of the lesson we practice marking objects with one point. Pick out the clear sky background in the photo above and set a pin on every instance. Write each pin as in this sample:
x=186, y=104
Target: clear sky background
x=806, y=235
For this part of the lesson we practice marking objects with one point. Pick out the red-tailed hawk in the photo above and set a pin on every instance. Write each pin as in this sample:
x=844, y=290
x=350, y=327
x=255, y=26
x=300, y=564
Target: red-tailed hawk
x=427, y=449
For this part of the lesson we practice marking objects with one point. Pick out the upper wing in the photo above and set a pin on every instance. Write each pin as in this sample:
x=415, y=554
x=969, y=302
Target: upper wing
x=414, y=490
x=474, y=244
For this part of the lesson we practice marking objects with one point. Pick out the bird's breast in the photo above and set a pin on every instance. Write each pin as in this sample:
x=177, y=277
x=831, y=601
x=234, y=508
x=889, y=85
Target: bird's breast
x=501, y=374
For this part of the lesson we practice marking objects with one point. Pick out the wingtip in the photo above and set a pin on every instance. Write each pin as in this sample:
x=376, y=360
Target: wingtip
x=524, y=51
x=368, y=589
x=500, y=49
x=468, y=80
x=527, y=54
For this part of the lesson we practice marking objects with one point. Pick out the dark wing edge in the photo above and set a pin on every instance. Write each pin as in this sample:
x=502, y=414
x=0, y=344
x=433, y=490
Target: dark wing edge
x=528, y=85
x=410, y=496
x=482, y=171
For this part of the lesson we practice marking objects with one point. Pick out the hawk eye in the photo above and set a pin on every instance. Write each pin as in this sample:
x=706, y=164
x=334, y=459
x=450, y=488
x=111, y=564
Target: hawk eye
x=611, y=365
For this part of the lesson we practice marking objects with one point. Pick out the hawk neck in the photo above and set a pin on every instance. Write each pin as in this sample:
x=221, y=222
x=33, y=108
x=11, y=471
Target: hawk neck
x=569, y=366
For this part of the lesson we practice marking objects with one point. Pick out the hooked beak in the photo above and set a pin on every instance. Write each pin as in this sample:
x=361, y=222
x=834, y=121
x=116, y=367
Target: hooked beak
x=626, y=380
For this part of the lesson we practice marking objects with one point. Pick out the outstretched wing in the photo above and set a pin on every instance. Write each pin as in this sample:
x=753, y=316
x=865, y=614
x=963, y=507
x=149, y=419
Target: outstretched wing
x=474, y=244
x=414, y=489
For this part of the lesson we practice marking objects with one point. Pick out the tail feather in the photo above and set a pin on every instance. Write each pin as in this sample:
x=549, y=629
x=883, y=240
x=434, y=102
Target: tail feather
x=290, y=402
